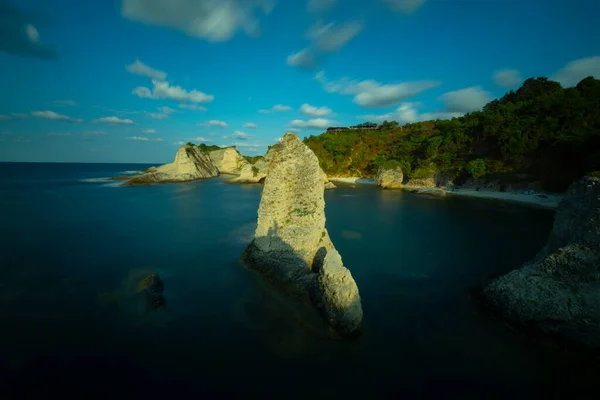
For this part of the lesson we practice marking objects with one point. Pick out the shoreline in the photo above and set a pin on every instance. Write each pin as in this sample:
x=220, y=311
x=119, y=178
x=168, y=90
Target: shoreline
x=550, y=201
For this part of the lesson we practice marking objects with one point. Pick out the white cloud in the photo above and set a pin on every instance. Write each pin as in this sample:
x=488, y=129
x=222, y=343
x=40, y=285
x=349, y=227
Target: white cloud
x=163, y=114
x=405, y=6
x=315, y=111
x=293, y=130
x=408, y=113
x=372, y=94
x=32, y=33
x=245, y=144
x=180, y=143
x=306, y=58
x=213, y=20
x=5, y=117
x=318, y=6
x=325, y=38
x=139, y=68
x=277, y=108
x=332, y=36
x=114, y=121
x=466, y=100
x=162, y=90
x=507, y=78
x=149, y=131
x=241, y=135
x=54, y=116
x=20, y=116
x=140, y=138
x=200, y=139
x=317, y=123
x=194, y=107
x=158, y=140
x=214, y=122
x=571, y=74
x=250, y=125
x=279, y=139
x=93, y=133
x=59, y=134
x=65, y=102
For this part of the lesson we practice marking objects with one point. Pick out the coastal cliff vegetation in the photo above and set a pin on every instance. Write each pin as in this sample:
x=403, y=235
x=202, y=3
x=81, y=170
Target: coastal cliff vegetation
x=541, y=132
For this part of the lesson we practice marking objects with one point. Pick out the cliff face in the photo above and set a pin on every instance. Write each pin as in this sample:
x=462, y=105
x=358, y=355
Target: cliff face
x=254, y=173
x=558, y=292
x=190, y=164
x=228, y=161
x=291, y=244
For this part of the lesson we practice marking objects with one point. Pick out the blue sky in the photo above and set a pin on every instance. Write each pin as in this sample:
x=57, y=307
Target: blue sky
x=130, y=80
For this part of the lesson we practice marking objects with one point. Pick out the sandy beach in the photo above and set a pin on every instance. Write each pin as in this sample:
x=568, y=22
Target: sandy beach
x=541, y=200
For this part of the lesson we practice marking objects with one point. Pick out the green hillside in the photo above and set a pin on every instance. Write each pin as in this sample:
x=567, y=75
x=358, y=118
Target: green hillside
x=541, y=132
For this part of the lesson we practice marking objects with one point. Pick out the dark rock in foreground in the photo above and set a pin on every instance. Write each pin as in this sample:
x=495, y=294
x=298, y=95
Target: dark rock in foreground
x=558, y=292
x=152, y=288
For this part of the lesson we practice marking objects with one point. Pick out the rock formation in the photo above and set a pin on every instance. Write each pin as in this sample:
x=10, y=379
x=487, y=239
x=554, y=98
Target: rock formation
x=254, y=173
x=291, y=245
x=228, y=160
x=190, y=164
x=389, y=178
x=329, y=185
x=558, y=292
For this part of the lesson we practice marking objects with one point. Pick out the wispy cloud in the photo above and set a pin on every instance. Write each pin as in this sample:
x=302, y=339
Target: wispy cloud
x=241, y=135
x=317, y=123
x=20, y=115
x=140, y=138
x=372, y=94
x=405, y=6
x=139, y=68
x=54, y=116
x=313, y=111
x=113, y=120
x=194, y=107
x=212, y=20
x=201, y=139
x=572, y=73
x=507, y=78
x=250, y=125
x=276, y=108
x=162, y=90
x=65, y=102
x=149, y=131
x=93, y=133
x=214, y=122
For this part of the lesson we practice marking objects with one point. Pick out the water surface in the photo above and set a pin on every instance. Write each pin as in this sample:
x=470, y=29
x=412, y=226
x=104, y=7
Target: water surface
x=74, y=246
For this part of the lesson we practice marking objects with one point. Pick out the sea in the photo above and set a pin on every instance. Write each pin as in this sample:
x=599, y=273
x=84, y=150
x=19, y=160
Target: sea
x=74, y=247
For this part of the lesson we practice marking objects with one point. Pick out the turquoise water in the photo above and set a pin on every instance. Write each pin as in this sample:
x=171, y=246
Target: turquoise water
x=74, y=247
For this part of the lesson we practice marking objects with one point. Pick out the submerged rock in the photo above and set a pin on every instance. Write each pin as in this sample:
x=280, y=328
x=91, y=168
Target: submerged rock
x=558, y=292
x=228, y=160
x=291, y=243
x=389, y=178
x=430, y=191
x=152, y=287
x=190, y=164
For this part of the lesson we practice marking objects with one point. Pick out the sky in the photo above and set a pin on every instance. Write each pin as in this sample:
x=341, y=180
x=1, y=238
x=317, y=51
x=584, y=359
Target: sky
x=132, y=80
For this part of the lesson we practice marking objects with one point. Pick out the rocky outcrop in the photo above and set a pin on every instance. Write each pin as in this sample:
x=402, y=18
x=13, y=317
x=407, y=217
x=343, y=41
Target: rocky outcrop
x=228, y=160
x=291, y=245
x=430, y=191
x=190, y=164
x=558, y=292
x=415, y=183
x=257, y=172
x=389, y=178
x=329, y=185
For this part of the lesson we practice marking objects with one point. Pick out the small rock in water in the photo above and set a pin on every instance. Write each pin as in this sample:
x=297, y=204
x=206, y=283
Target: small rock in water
x=152, y=286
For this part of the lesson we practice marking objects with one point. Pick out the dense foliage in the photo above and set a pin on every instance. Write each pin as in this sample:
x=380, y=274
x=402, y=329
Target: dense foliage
x=541, y=132
x=252, y=159
x=203, y=147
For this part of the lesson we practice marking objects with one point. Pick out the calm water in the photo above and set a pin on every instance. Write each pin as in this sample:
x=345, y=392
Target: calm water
x=73, y=248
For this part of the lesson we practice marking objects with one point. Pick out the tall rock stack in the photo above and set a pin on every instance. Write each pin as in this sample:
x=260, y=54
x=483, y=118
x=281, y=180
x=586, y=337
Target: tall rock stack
x=292, y=245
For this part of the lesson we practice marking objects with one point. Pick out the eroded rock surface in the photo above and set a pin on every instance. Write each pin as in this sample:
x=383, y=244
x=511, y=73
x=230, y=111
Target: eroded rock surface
x=190, y=164
x=257, y=172
x=558, y=292
x=228, y=160
x=389, y=178
x=291, y=242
